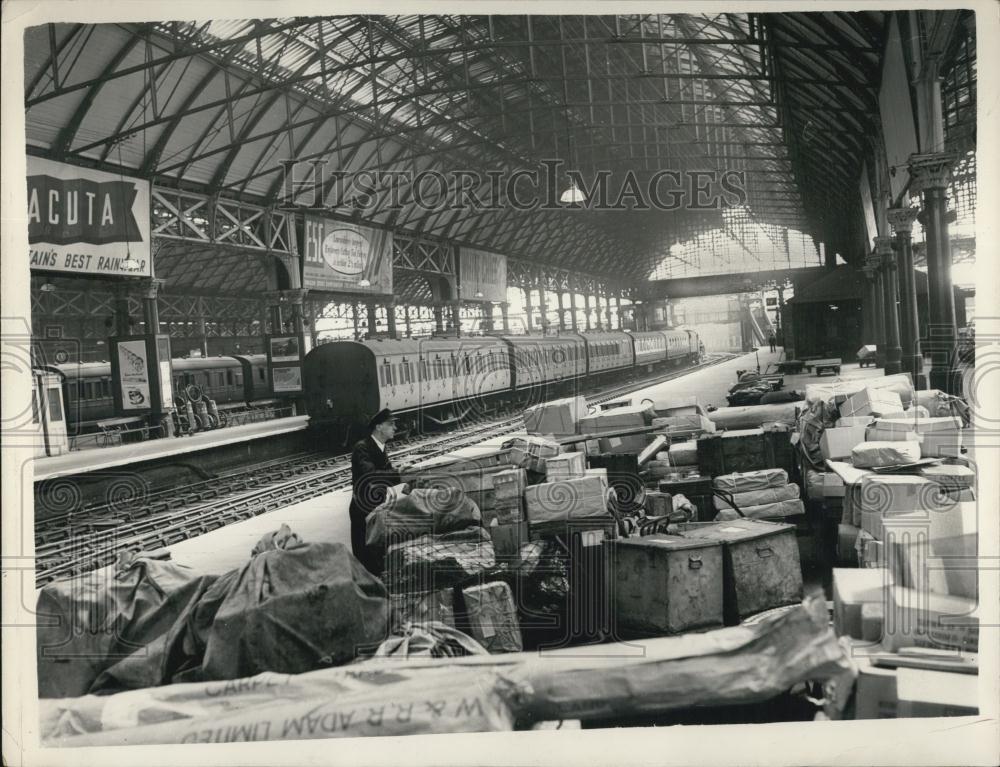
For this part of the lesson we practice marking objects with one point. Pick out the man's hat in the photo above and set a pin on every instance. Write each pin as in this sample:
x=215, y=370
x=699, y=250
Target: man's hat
x=383, y=415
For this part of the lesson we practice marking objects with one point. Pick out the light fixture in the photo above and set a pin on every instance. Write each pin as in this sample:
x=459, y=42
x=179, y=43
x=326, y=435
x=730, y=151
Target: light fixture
x=677, y=250
x=47, y=287
x=130, y=264
x=573, y=194
x=364, y=283
x=479, y=294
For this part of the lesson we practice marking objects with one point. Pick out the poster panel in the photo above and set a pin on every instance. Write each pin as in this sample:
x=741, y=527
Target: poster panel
x=482, y=272
x=133, y=374
x=284, y=349
x=166, y=372
x=83, y=221
x=346, y=258
x=287, y=378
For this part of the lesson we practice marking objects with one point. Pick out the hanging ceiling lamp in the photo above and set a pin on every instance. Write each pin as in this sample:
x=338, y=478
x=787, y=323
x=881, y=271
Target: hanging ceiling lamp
x=364, y=283
x=572, y=194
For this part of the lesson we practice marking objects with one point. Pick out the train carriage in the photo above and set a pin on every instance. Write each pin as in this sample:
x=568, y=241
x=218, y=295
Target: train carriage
x=650, y=347
x=345, y=382
x=608, y=351
x=546, y=360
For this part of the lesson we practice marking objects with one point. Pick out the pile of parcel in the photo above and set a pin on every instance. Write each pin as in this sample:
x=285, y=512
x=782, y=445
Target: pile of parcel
x=887, y=465
x=517, y=583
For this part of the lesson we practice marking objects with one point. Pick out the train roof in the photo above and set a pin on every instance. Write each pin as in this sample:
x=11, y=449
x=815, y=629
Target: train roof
x=380, y=347
x=204, y=363
x=562, y=340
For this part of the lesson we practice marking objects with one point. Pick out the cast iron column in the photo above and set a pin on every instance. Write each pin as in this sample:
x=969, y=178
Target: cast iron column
x=893, y=353
x=878, y=314
x=372, y=317
x=543, y=309
x=929, y=176
x=390, y=317
x=586, y=310
x=504, y=307
x=901, y=220
x=871, y=304
x=572, y=309
x=618, y=309
x=527, y=309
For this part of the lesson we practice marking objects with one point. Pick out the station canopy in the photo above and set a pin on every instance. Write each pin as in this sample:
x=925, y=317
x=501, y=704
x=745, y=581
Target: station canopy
x=215, y=107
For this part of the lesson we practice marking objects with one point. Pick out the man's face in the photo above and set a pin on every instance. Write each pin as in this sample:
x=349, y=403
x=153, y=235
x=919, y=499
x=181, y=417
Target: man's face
x=386, y=430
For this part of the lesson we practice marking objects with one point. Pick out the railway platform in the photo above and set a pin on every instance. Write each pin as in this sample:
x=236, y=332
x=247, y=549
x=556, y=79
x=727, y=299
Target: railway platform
x=89, y=461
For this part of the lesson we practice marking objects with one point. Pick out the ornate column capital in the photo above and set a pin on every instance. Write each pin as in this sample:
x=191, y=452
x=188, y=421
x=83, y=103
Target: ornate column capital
x=930, y=171
x=151, y=286
x=293, y=296
x=871, y=265
x=901, y=219
x=884, y=253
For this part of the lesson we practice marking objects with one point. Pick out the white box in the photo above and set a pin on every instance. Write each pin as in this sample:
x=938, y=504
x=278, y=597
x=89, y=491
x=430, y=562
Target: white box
x=871, y=401
x=887, y=496
x=855, y=420
x=951, y=477
x=837, y=443
x=565, y=466
x=833, y=485
x=936, y=693
x=853, y=588
x=925, y=619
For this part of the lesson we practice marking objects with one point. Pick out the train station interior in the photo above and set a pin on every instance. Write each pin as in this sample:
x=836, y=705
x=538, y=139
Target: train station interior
x=500, y=373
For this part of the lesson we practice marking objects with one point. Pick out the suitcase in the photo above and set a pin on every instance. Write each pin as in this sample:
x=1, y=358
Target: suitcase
x=698, y=490
x=623, y=476
x=746, y=450
x=761, y=568
x=666, y=584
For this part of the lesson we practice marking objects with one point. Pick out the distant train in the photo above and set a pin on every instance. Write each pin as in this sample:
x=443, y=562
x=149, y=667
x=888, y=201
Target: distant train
x=443, y=380
x=230, y=381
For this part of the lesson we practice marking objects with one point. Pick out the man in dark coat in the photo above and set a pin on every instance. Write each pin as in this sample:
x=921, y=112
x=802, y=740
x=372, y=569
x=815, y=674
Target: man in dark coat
x=372, y=474
x=772, y=340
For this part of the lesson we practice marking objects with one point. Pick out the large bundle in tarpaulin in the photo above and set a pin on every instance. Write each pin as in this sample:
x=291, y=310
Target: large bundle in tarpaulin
x=92, y=622
x=437, y=561
x=389, y=696
x=290, y=610
x=421, y=511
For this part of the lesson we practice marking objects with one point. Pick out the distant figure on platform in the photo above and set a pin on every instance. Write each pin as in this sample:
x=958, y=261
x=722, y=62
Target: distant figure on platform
x=772, y=340
x=372, y=475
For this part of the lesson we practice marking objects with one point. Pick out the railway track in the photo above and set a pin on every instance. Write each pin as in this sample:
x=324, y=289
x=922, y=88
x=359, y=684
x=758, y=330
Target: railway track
x=82, y=540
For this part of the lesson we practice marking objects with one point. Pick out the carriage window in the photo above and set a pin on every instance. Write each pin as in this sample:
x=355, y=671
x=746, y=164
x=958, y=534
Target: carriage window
x=80, y=390
x=105, y=388
x=229, y=377
x=260, y=373
x=55, y=408
x=34, y=406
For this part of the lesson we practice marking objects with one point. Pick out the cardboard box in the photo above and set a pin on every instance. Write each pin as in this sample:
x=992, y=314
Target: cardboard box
x=939, y=437
x=565, y=466
x=492, y=617
x=853, y=588
x=788, y=508
x=875, y=434
x=683, y=453
x=508, y=539
x=872, y=554
x=855, y=420
x=633, y=443
x=915, y=567
x=557, y=418
x=836, y=443
x=586, y=497
x=510, y=484
x=925, y=619
x=530, y=452
x=872, y=620
x=936, y=693
x=617, y=419
x=874, y=691
x=508, y=511
x=424, y=606
x=788, y=492
x=749, y=481
x=847, y=537
x=833, y=485
x=951, y=477
x=871, y=401
x=868, y=455
x=883, y=496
